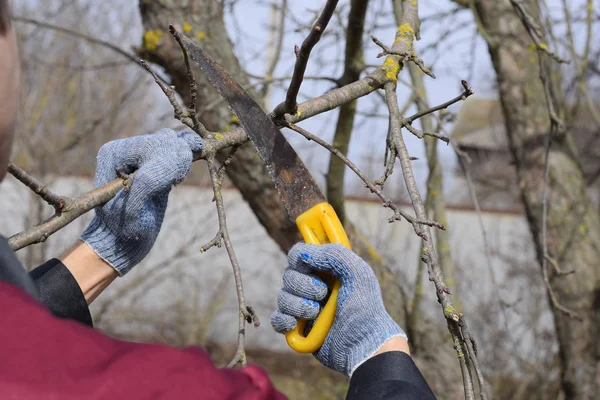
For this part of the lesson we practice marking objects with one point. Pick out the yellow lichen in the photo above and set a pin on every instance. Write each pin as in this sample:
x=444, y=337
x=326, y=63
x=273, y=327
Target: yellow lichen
x=405, y=30
x=201, y=35
x=187, y=27
x=391, y=68
x=235, y=119
x=450, y=309
x=219, y=136
x=151, y=39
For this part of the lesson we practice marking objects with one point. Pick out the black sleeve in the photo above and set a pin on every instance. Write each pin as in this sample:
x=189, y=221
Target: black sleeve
x=391, y=375
x=11, y=270
x=60, y=292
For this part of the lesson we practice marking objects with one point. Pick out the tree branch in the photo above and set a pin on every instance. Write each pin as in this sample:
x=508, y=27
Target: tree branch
x=56, y=201
x=80, y=35
x=302, y=55
x=72, y=209
x=387, y=202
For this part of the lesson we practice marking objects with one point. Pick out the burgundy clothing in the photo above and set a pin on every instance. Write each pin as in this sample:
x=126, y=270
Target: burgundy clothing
x=48, y=350
x=44, y=357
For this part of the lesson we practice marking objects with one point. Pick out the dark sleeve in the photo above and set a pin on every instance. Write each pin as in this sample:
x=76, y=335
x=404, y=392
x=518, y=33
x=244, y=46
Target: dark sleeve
x=60, y=292
x=391, y=375
x=11, y=270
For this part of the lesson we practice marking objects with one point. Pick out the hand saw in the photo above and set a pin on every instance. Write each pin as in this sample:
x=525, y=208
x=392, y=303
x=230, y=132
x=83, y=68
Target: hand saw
x=306, y=205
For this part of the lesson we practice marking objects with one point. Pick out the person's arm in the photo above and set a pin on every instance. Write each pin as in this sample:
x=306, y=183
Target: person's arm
x=68, y=284
x=389, y=374
x=123, y=230
x=364, y=342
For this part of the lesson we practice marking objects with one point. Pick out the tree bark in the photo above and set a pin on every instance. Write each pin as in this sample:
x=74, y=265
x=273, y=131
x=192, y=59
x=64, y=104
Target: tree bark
x=573, y=228
x=202, y=20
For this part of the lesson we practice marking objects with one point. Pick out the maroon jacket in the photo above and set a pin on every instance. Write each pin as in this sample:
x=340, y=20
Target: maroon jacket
x=44, y=357
x=48, y=350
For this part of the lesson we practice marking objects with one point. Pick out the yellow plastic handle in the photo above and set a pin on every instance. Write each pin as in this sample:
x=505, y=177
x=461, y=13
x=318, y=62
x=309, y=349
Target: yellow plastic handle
x=319, y=225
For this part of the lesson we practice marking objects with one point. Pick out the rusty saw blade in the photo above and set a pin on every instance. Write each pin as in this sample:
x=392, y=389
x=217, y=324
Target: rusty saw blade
x=297, y=188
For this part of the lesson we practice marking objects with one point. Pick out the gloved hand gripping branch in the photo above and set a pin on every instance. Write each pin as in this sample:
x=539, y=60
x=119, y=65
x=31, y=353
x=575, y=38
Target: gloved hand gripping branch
x=125, y=229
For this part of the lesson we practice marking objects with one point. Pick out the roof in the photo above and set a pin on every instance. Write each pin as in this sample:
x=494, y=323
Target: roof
x=480, y=124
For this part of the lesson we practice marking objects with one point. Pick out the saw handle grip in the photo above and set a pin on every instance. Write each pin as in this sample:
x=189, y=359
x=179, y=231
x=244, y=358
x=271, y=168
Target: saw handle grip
x=319, y=225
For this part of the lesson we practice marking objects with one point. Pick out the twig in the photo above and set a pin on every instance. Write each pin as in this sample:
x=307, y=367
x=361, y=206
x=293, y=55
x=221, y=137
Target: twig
x=387, y=202
x=80, y=35
x=420, y=134
x=290, y=105
x=246, y=314
x=56, y=201
x=277, y=50
x=472, y=352
x=535, y=32
x=429, y=255
x=461, y=97
x=168, y=90
x=191, y=109
x=405, y=56
x=556, y=128
x=546, y=256
x=72, y=209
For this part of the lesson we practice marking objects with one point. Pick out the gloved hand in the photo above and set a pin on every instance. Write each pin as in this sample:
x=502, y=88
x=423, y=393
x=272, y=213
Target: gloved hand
x=125, y=229
x=361, y=325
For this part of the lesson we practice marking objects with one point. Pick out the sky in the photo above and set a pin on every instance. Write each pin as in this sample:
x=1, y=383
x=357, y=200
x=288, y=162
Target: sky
x=462, y=56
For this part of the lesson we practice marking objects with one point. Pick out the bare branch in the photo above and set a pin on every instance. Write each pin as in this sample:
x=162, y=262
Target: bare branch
x=276, y=55
x=387, y=202
x=191, y=109
x=405, y=56
x=290, y=105
x=56, y=201
x=72, y=209
x=535, y=32
x=246, y=314
x=461, y=97
x=168, y=90
x=405, y=35
x=80, y=35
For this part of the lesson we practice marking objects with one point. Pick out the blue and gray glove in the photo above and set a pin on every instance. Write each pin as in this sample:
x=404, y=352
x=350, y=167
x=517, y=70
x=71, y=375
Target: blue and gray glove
x=361, y=325
x=125, y=229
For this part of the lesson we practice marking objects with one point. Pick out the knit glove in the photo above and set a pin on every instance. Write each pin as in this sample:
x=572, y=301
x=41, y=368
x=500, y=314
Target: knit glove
x=361, y=325
x=125, y=229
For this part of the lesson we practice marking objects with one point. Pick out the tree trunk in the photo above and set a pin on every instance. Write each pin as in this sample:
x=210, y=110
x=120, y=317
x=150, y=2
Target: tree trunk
x=573, y=228
x=353, y=65
x=202, y=20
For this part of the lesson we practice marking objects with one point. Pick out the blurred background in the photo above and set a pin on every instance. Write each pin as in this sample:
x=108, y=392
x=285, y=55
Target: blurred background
x=81, y=87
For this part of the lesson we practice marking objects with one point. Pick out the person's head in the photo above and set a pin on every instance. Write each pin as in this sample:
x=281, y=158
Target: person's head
x=9, y=84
